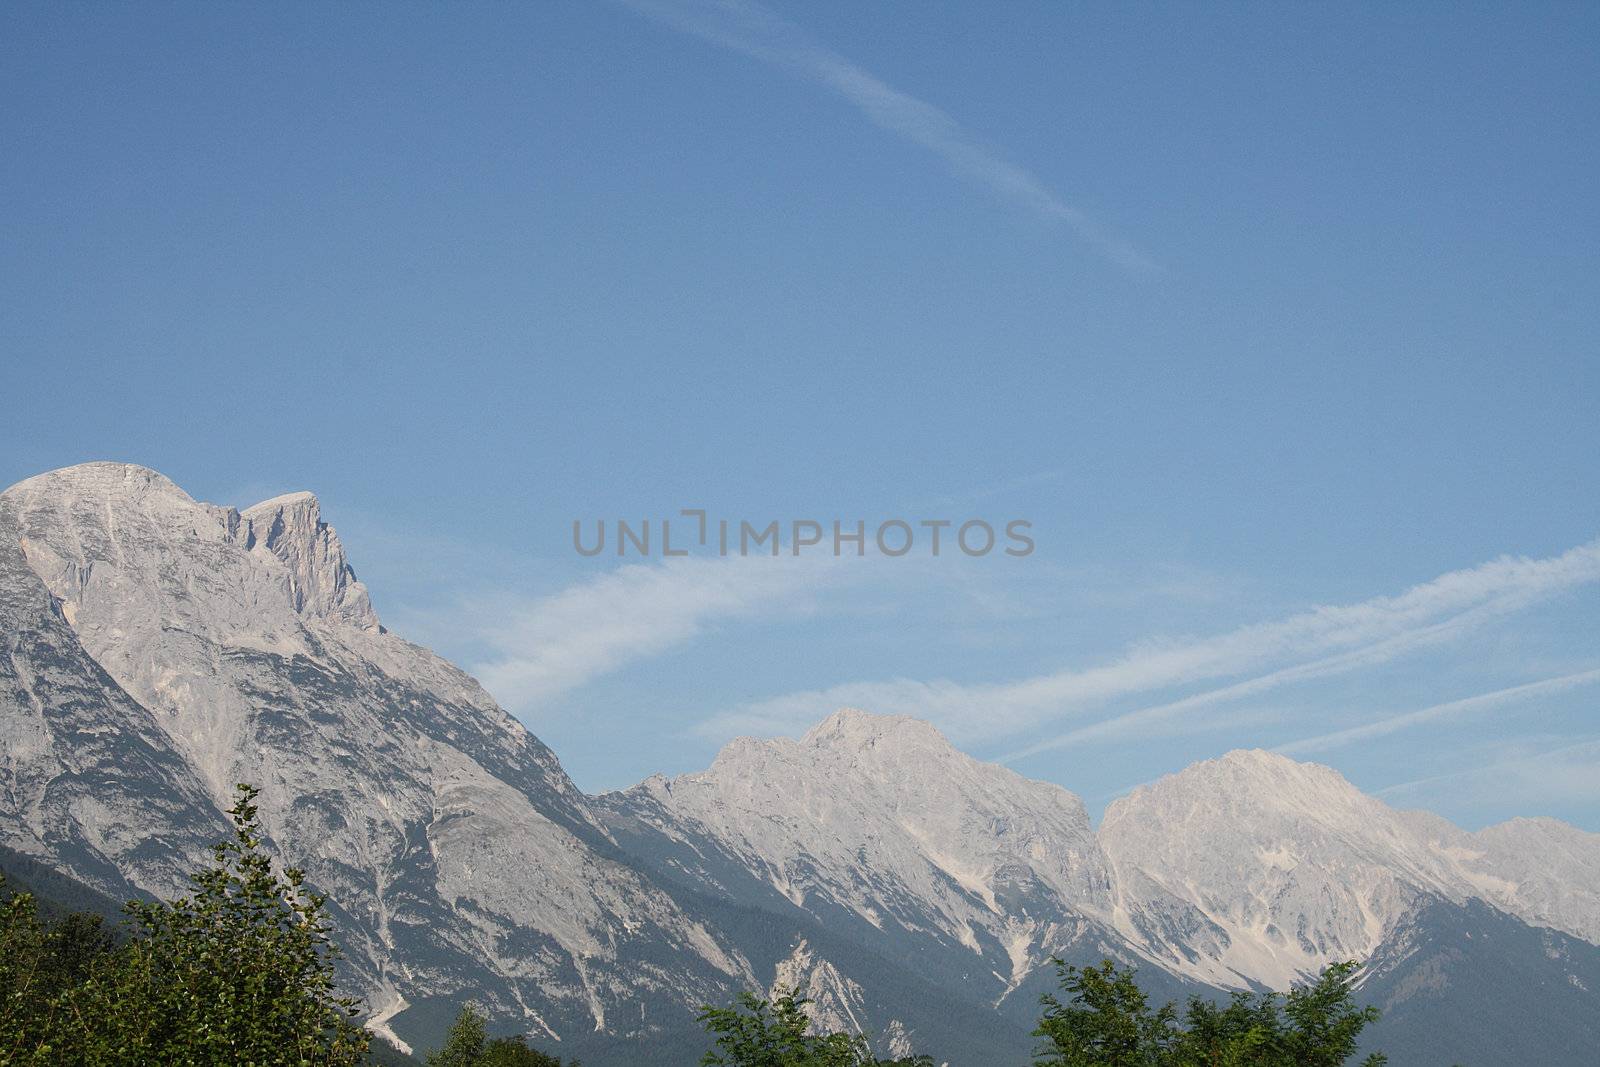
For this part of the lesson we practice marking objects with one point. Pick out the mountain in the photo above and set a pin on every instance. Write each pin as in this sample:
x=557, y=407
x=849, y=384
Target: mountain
x=1254, y=868
x=1470, y=984
x=161, y=650
x=1542, y=870
x=1248, y=871
x=158, y=650
x=1257, y=869
x=878, y=827
x=55, y=894
x=894, y=856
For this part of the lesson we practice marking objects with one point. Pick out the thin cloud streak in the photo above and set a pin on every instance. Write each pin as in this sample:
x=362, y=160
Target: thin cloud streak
x=755, y=31
x=1312, y=644
x=1567, y=774
x=1466, y=706
x=557, y=643
x=1165, y=715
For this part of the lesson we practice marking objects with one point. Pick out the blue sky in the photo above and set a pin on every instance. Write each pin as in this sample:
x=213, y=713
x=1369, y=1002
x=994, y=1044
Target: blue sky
x=1264, y=316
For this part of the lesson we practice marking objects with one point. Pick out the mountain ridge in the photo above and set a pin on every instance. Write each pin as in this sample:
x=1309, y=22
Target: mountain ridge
x=159, y=649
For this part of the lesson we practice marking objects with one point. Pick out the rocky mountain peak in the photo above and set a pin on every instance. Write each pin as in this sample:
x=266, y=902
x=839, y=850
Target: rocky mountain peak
x=321, y=582
x=1285, y=865
x=98, y=478
x=855, y=728
x=73, y=500
x=1249, y=782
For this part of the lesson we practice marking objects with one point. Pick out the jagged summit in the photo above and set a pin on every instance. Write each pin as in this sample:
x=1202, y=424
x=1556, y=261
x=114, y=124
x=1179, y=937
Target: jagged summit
x=1247, y=783
x=1260, y=762
x=290, y=529
x=119, y=516
x=1263, y=767
x=1255, y=757
x=1277, y=866
x=283, y=500
x=846, y=733
x=858, y=727
x=880, y=818
x=1540, y=824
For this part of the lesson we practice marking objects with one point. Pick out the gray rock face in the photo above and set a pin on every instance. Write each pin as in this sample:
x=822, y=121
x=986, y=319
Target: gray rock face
x=89, y=781
x=1276, y=867
x=1254, y=868
x=321, y=583
x=1251, y=870
x=878, y=825
x=1543, y=871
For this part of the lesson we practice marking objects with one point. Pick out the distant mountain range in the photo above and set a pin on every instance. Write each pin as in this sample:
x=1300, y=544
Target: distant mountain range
x=158, y=650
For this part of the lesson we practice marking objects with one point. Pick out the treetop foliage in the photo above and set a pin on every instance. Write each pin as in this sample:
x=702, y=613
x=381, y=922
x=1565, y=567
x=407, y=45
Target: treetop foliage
x=238, y=972
x=759, y=1033
x=468, y=1044
x=1106, y=1021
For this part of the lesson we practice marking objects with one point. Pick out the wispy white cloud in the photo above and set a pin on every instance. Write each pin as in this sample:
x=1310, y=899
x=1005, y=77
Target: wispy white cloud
x=557, y=643
x=1173, y=717
x=1313, y=644
x=1569, y=774
x=753, y=30
x=1450, y=709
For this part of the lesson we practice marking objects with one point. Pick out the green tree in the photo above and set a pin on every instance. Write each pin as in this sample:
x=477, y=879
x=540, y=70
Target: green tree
x=1324, y=1026
x=26, y=1006
x=758, y=1033
x=516, y=1052
x=43, y=965
x=468, y=1044
x=1107, y=1022
x=465, y=1042
x=73, y=946
x=238, y=972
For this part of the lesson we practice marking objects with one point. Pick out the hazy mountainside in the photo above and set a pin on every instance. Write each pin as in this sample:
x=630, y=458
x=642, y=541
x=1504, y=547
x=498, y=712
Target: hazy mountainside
x=1256, y=868
x=894, y=856
x=1541, y=870
x=877, y=826
x=157, y=650
x=1264, y=868
x=1468, y=984
x=1248, y=870
x=55, y=893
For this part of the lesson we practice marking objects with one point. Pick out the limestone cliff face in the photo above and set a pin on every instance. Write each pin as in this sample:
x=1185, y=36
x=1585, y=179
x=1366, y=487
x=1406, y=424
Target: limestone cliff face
x=1254, y=867
x=878, y=824
x=89, y=779
x=321, y=582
